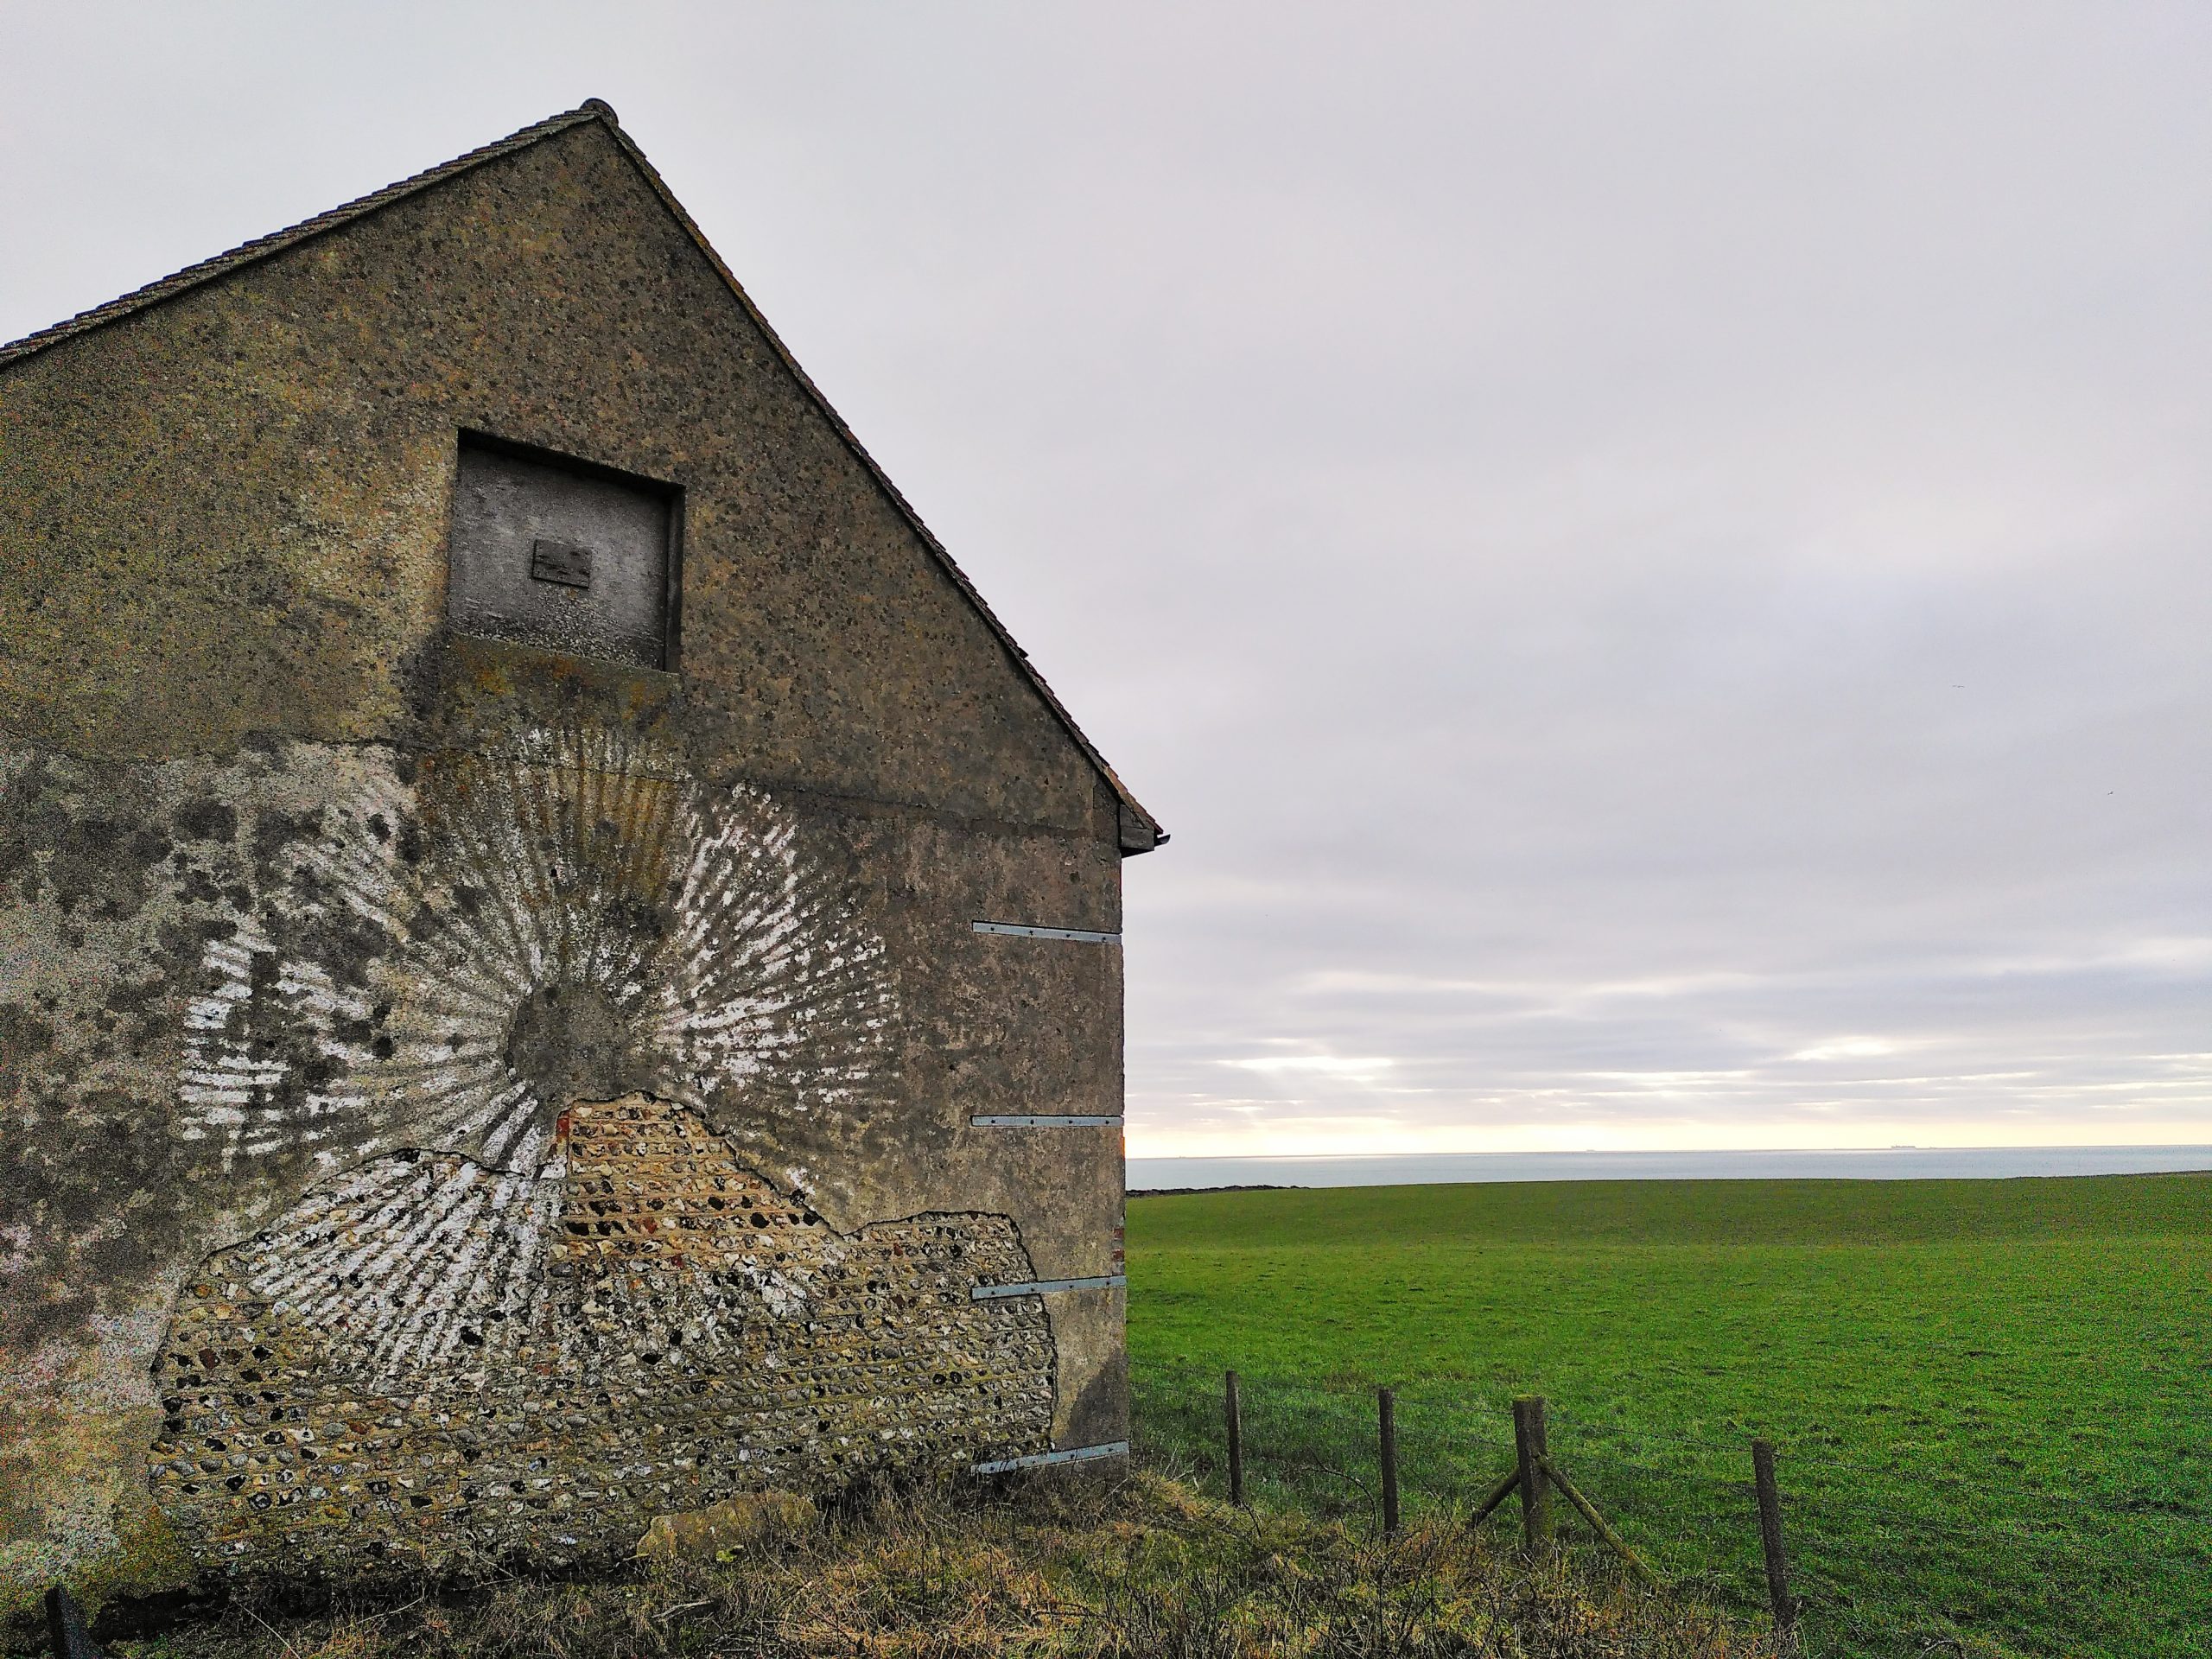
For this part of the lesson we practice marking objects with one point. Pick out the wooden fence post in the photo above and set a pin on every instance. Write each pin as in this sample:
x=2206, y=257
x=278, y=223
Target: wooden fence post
x=1529, y=1449
x=1777, y=1566
x=1386, y=1406
x=1770, y=1542
x=1599, y=1525
x=1236, y=1415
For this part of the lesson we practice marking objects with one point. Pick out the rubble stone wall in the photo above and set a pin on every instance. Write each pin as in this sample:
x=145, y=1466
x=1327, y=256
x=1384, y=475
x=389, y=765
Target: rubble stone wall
x=429, y=1361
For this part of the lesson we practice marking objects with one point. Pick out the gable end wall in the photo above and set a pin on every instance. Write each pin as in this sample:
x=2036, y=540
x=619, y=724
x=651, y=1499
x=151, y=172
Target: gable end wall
x=297, y=888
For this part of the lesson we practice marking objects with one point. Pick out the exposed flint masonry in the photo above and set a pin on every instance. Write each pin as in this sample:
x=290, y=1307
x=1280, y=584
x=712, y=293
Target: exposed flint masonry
x=359, y=1390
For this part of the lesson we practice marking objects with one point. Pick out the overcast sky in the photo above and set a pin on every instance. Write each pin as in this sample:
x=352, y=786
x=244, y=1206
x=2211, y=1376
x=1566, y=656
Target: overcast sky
x=1655, y=560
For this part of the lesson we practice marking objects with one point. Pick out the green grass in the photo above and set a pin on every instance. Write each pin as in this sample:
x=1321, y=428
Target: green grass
x=1993, y=1399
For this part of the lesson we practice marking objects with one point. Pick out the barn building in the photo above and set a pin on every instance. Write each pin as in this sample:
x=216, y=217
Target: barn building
x=557, y=964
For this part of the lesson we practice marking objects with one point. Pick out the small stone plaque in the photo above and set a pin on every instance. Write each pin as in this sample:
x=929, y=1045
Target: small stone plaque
x=566, y=562
x=561, y=555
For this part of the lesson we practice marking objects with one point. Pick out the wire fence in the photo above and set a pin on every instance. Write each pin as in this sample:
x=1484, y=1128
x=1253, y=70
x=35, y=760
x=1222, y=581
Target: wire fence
x=1906, y=1543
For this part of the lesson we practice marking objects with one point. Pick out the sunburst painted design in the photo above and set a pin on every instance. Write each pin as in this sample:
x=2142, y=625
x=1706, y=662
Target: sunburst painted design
x=403, y=1253
x=451, y=961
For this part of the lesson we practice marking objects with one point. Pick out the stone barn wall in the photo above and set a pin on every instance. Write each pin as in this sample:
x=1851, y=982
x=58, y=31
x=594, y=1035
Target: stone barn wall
x=465, y=1100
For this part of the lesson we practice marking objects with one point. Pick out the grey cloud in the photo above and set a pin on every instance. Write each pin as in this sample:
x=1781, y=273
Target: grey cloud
x=1627, y=544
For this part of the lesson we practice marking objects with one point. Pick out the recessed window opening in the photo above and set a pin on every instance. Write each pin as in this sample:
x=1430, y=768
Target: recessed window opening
x=554, y=552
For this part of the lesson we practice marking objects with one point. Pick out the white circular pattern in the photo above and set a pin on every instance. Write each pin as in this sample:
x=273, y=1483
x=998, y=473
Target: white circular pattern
x=372, y=999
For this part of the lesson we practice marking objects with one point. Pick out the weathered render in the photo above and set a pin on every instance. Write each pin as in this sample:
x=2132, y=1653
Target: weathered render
x=467, y=1097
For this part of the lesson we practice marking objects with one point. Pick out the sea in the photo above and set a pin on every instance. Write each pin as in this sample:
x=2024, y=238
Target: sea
x=1858, y=1164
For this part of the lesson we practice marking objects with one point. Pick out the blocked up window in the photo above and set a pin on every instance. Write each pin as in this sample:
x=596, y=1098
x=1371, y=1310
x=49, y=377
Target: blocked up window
x=563, y=554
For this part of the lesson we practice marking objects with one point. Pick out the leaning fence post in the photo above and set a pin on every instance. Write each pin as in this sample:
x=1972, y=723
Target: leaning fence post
x=1777, y=1566
x=1530, y=1448
x=1386, y=1406
x=1599, y=1525
x=1236, y=1415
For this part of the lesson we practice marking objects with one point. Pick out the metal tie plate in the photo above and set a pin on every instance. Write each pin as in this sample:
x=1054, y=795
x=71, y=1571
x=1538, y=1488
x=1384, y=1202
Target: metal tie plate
x=1039, y=1460
x=1047, y=1286
x=1023, y=931
x=1042, y=1120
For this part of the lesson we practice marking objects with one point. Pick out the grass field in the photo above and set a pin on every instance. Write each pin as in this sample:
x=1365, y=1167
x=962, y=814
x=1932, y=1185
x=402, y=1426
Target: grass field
x=1993, y=1399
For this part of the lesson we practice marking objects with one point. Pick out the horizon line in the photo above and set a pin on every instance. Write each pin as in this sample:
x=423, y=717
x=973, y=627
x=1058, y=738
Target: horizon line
x=1689, y=1151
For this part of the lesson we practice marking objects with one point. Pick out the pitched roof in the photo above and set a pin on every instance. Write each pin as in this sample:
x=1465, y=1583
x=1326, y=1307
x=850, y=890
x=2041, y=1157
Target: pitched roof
x=1140, y=836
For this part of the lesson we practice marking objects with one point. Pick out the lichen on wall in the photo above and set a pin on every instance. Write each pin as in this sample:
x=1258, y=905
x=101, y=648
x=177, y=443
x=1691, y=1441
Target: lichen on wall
x=431, y=1363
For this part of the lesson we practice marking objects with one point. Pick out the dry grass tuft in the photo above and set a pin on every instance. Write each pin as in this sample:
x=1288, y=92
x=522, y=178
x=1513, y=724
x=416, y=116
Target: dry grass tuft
x=1101, y=1569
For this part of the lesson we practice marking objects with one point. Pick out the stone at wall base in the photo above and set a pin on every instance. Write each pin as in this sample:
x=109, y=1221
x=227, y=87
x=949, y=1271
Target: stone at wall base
x=750, y=1521
x=66, y=1627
